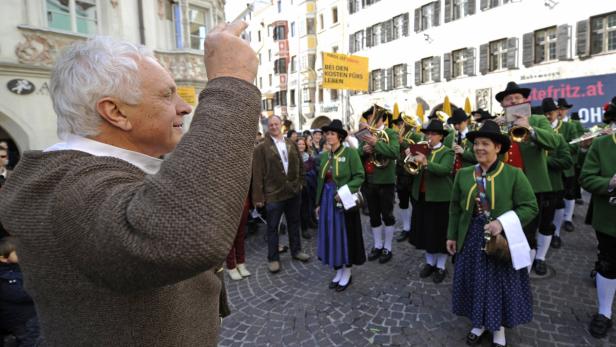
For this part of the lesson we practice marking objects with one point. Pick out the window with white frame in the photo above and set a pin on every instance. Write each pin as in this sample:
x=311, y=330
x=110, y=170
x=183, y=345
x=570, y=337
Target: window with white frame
x=376, y=35
x=399, y=75
x=293, y=67
x=426, y=70
x=310, y=26
x=359, y=41
x=377, y=76
x=398, y=27
x=72, y=15
x=334, y=15
x=603, y=33
x=460, y=8
x=199, y=22
x=333, y=94
x=458, y=60
x=545, y=45
x=427, y=16
x=498, y=55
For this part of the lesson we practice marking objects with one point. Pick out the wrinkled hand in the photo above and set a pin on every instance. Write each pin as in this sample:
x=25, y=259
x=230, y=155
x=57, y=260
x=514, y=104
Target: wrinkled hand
x=494, y=227
x=458, y=149
x=407, y=151
x=451, y=246
x=227, y=55
x=368, y=149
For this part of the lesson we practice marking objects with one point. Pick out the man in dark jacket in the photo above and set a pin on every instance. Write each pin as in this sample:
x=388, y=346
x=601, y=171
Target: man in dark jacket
x=277, y=179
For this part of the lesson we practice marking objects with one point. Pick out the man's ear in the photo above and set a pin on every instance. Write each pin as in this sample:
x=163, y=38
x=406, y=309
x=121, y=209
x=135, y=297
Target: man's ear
x=110, y=111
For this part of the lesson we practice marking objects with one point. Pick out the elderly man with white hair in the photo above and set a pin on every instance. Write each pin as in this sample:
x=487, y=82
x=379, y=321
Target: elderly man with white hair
x=118, y=247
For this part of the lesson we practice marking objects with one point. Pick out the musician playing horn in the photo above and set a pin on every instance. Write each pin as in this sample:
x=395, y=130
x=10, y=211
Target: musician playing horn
x=491, y=292
x=431, y=192
x=530, y=156
x=380, y=180
x=599, y=178
x=456, y=140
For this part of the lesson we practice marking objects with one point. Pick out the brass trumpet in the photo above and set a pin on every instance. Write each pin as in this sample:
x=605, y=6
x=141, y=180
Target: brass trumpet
x=517, y=133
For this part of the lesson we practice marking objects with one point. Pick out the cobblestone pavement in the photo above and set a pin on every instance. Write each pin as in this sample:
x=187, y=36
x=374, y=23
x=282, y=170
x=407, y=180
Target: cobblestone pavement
x=389, y=305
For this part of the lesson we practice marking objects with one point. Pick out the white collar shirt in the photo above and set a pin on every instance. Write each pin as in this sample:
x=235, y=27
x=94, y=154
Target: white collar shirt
x=281, y=145
x=147, y=164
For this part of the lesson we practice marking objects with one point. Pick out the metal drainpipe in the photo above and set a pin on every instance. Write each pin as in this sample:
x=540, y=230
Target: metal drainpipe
x=141, y=26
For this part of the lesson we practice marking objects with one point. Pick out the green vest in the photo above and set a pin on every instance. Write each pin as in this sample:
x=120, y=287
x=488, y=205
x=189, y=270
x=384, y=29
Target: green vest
x=599, y=168
x=391, y=150
x=569, y=133
x=436, y=176
x=559, y=160
x=346, y=169
x=507, y=189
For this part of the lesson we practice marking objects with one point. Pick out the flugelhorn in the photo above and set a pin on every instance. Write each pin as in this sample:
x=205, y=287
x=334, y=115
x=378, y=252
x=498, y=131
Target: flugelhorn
x=593, y=132
x=516, y=133
x=411, y=165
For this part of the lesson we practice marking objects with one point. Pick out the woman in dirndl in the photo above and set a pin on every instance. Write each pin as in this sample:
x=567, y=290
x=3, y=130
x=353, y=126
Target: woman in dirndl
x=489, y=199
x=340, y=243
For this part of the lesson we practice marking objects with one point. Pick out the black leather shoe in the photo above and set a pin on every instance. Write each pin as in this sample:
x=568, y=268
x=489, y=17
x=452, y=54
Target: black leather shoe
x=599, y=326
x=404, y=235
x=472, y=339
x=540, y=268
x=375, y=254
x=439, y=275
x=306, y=234
x=426, y=271
x=385, y=256
x=333, y=285
x=342, y=288
x=568, y=226
x=494, y=344
x=556, y=242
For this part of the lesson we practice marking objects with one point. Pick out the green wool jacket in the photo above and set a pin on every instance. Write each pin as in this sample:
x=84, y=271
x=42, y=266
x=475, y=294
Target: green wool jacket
x=559, y=160
x=534, y=153
x=468, y=156
x=507, y=189
x=577, y=125
x=391, y=150
x=346, y=169
x=569, y=133
x=436, y=176
x=599, y=168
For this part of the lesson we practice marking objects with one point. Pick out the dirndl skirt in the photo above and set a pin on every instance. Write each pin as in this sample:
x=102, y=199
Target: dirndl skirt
x=489, y=292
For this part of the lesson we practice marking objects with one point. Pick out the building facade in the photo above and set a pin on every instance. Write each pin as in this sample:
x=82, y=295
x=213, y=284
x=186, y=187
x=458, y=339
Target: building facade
x=422, y=51
x=34, y=32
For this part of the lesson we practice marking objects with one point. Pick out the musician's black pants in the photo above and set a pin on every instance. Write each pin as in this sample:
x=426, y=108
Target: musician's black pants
x=570, y=188
x=403, y=188
x=606, y=262
x=381, y=204
x=543, y=220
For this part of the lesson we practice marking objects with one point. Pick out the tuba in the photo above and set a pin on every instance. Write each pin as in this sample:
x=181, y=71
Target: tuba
x=376, y=159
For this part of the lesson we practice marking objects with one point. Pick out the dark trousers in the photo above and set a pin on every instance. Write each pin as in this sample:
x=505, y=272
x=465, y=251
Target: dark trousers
x=403, y=188
x=543, y=220
x=290, y=208
x=381, y=204
x=606, y=262
x=570, y=188
x=237, y=255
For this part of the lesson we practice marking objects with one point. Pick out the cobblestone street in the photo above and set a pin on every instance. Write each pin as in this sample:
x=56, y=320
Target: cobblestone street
x=389, y=305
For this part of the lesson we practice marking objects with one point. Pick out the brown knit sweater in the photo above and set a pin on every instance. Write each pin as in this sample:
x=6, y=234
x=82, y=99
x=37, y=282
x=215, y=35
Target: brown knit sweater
x=114, y=257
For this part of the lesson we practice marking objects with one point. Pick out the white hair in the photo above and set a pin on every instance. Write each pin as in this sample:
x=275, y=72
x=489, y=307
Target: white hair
x=88, y=71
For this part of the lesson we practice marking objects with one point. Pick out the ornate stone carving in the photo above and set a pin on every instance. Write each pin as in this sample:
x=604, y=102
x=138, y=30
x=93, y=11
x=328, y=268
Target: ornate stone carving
x=183, y=66
x=41, y=48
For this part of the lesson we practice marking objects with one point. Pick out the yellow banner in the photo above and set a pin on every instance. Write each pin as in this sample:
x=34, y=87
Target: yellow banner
x=188, y=94
x=341, y=71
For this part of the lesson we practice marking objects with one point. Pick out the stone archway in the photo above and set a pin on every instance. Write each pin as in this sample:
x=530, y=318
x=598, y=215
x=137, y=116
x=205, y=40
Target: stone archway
x=320, y=122
x=11, y=130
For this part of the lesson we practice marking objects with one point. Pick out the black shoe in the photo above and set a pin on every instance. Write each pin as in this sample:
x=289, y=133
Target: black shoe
x=375, y=254
x=333, y=285
x=404, y=235
x=306, y=234
x=494, y=344
x=556, y=242
x=426, y=271
x=599, y=325
x=568, y=226
x=385, y=256
x=439, y=275
x=341, y=288
x=540, y=267
x=472, y=339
